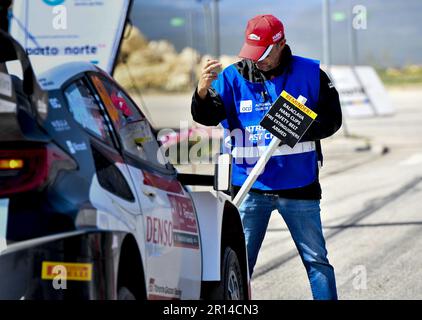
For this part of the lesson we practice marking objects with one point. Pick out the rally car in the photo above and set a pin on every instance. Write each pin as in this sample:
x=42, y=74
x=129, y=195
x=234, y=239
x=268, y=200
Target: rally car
x=91, y=209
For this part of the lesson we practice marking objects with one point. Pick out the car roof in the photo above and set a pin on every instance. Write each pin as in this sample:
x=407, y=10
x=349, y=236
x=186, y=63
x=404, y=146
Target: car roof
x=55, y=77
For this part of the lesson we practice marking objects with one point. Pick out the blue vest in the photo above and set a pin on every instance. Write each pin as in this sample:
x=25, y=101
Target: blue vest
x=246, y=103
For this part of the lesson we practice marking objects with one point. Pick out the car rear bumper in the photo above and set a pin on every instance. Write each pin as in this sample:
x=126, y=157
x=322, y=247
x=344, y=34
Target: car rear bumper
x=75, y=265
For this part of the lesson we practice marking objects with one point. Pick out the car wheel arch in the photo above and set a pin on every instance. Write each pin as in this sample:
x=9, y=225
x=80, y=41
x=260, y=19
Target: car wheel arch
x=232, y=245
x=130, y=272
x=220, y=226
x=234, y=237
x=232, y=229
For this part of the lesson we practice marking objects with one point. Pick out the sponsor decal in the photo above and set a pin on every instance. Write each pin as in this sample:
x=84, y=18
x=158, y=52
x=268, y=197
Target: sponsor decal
x=185, y=240
x=181, y=231
x=159, y=231
x=55, y=103
x=5, y=85
x=60, y=125
x=53, y=2
x=46, y=83
x=159, y=182
x=245, y=106
x=183, y=215
x=74, y=271
x=70, y=146
x=262, y=106
x=160, y=292
x=277, y=36
x=82, y=50
x=258, y=133
x=185, y=228
x=142, y=140
x=253, y=36
x=75, y=147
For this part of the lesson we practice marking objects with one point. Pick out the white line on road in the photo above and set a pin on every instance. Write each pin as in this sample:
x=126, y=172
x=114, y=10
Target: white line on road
x=415, y=159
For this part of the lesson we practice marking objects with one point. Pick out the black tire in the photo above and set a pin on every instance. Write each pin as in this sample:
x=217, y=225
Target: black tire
x=231, y=285
x=125, y=294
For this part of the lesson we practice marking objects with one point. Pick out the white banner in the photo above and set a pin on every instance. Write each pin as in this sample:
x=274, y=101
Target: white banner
x=362, y=94
x=54, y=32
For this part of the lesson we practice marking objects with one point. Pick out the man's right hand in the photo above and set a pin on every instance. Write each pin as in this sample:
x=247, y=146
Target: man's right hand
x=208, y=75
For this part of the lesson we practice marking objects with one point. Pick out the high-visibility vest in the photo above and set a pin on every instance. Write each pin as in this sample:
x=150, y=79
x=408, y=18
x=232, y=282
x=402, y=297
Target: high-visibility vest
x=246, y=103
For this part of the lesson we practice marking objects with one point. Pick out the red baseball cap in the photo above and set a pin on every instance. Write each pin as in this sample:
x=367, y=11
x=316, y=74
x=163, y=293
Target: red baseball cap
x=261, y=32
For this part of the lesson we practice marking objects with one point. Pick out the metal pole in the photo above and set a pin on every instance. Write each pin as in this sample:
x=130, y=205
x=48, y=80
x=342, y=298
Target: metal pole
x=216, y=25
x=207, y=26
x=256, y=171
x=189, y=33
x=326, y=34
x=352, y=37
x=326, y=47
x=354, y=55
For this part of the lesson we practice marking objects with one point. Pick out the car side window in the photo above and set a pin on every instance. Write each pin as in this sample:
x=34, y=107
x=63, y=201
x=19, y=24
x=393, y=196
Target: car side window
x=86, y=111
x=131, y=125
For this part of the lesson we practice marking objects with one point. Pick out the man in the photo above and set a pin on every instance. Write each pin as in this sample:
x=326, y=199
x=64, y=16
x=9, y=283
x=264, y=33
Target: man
x=238, y=98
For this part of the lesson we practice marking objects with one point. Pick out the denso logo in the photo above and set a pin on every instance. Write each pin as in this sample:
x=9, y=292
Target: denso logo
x=53, y=2
x=159, y=231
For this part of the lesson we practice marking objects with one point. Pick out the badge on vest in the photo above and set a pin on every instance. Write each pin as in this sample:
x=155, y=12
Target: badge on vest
x=245, y=106
x=288, y=119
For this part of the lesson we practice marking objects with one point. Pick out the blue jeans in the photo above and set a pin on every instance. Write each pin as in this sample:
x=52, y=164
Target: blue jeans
x=303, y=219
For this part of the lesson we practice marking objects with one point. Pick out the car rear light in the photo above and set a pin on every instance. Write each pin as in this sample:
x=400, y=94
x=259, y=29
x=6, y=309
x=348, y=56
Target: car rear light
x=11, y=164
x=32, y=168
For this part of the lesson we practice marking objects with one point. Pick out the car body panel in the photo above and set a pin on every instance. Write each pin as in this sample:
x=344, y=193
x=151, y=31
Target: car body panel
x=210, y=219
x=170, y=263
x=22, y=267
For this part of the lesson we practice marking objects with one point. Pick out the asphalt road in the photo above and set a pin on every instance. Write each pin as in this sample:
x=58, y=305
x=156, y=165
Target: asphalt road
x=371, y=212
x=371, y=207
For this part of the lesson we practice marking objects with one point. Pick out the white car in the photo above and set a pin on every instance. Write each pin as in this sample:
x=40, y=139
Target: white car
x=91, y=212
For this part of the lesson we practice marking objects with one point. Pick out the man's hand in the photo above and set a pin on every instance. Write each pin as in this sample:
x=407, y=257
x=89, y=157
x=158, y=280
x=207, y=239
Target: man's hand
x=208, y=75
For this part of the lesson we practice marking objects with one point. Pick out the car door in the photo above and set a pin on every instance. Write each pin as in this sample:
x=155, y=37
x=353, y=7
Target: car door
x=171, y=229
x=111, y=190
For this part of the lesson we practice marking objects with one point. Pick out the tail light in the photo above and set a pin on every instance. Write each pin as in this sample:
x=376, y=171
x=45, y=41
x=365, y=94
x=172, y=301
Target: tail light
x=31, y=168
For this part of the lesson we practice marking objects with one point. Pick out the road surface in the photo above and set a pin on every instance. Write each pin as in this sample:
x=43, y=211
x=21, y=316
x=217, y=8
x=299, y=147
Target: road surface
x=372, y=215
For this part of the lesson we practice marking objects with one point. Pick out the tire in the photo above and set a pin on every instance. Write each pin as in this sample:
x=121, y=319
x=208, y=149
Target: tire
x=125, y=294
x=231, y=285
